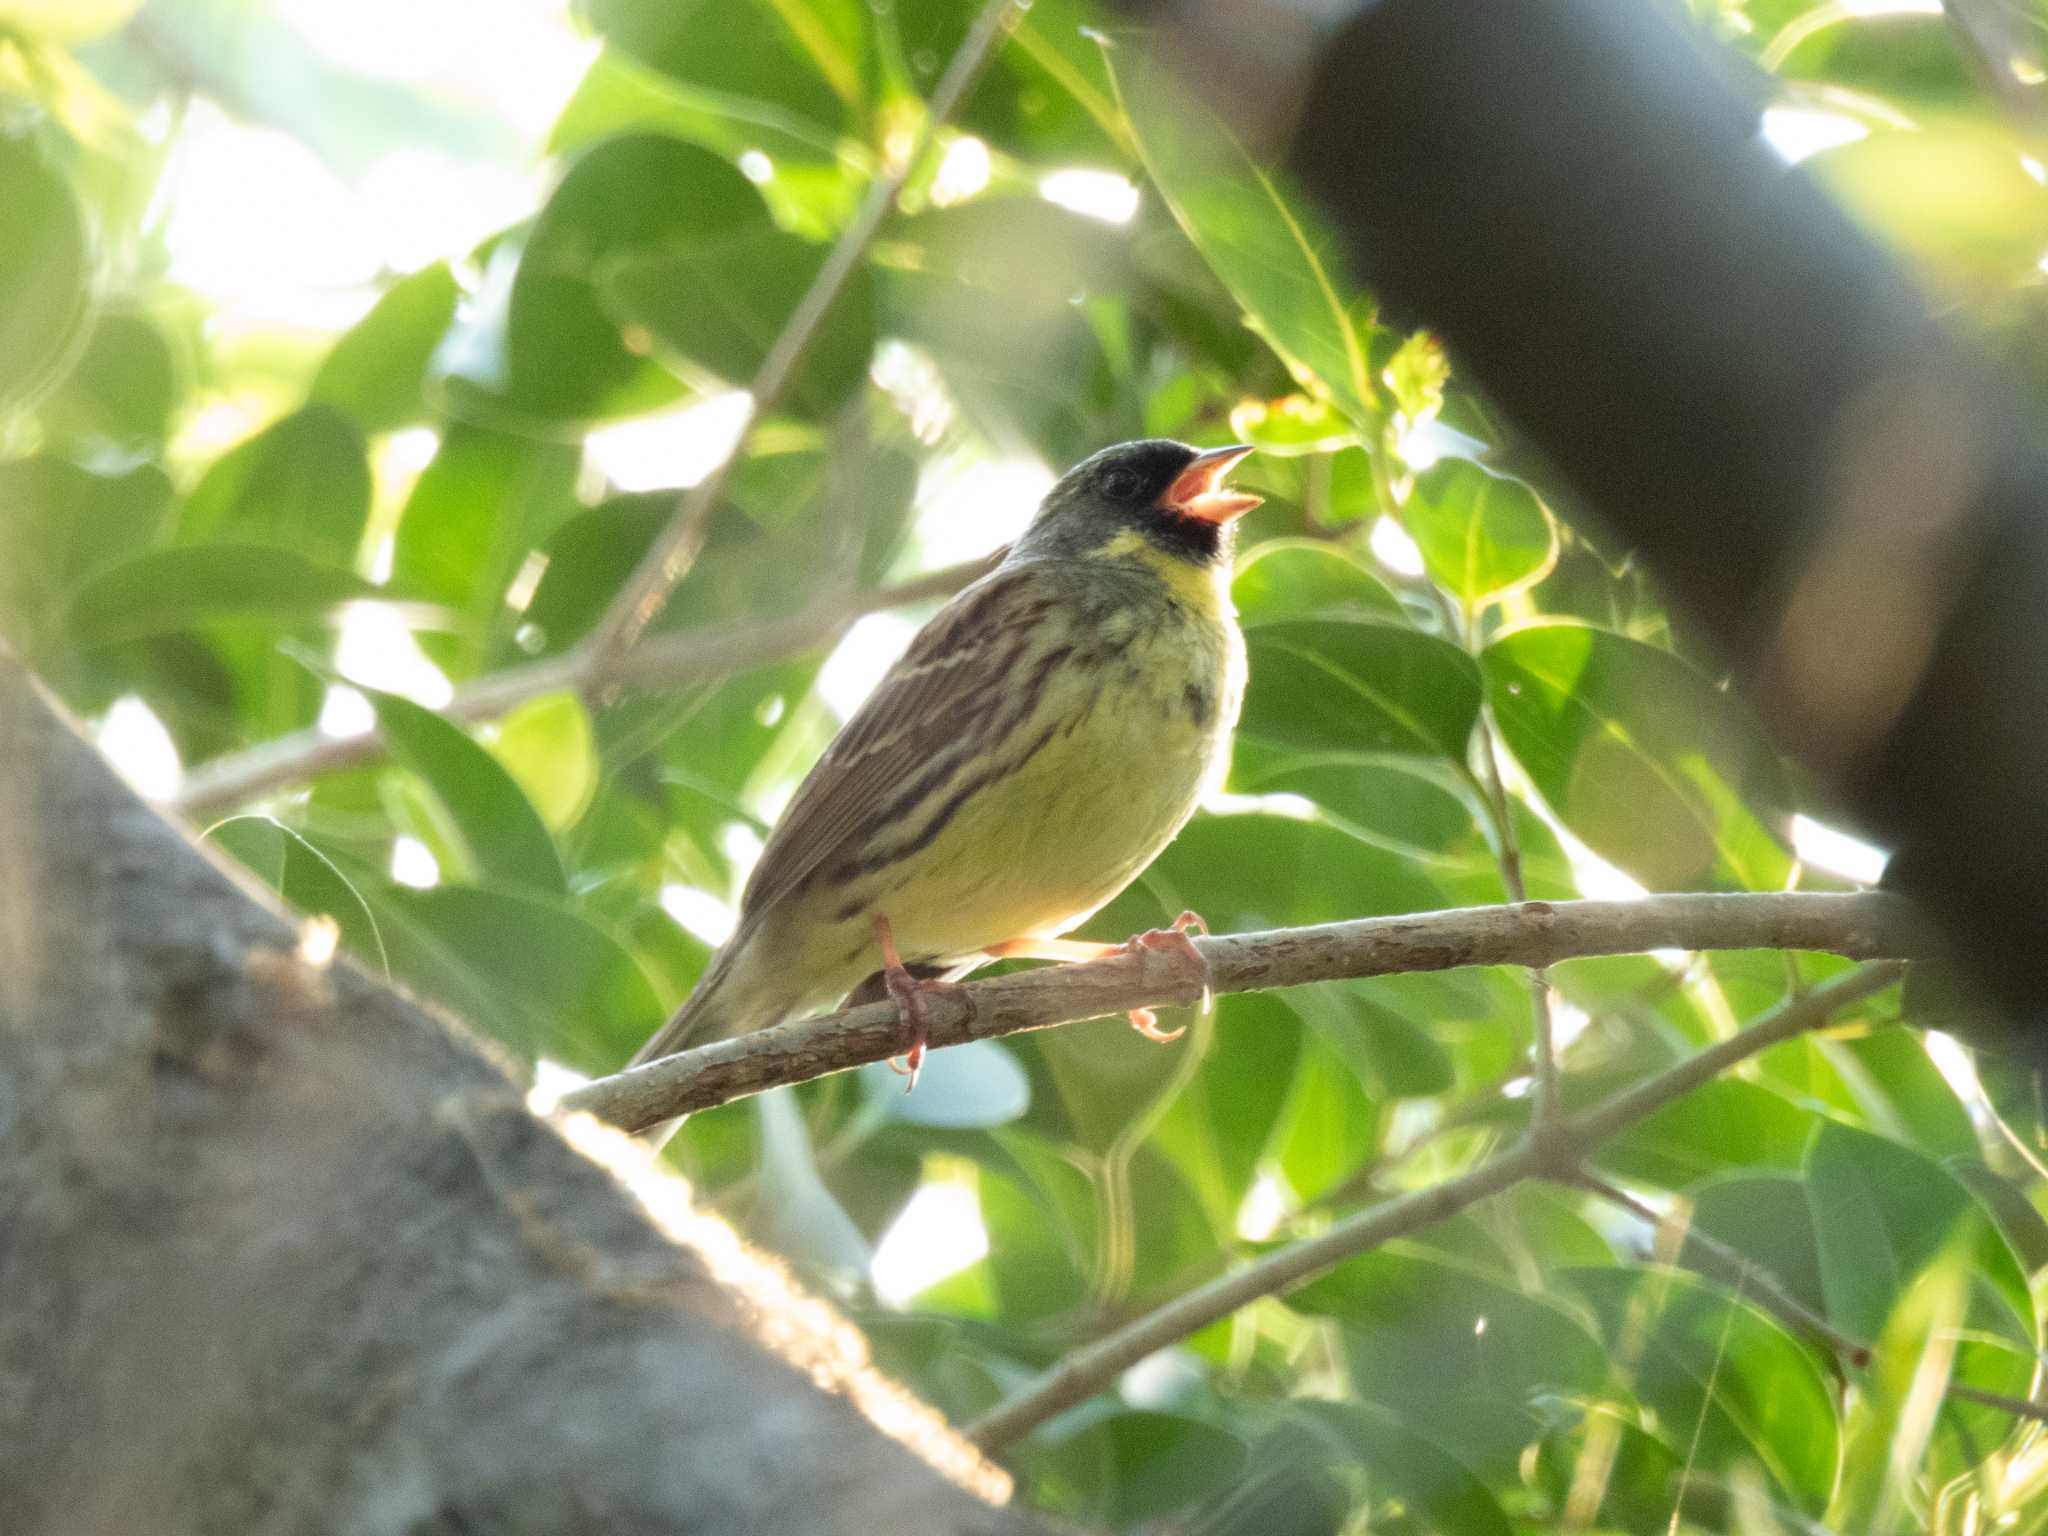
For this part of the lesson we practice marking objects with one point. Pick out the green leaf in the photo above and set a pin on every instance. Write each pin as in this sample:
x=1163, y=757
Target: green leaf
x=1408, y=1466
x=375, y=371
x=477, y=511
x=1765, y=1218
x=302, y=483
x=534, y=974
x=121, y=390
x=1482, y=535
x=1309, y=579
x=492, y=822
x=305, y=877
x=166, y=591
x=1881, y=1213
x=1217, y=1128
x=44, y=276
x=1445, y=1344
x=1263, y=241
x=1654, y=768
x=745, y=53
x=715, y=305
x=1725, y=1124
x=1729, y=1385
x=1320, y=685
x=59, y=524
x=1166, y=1462
x=547, y=745
x=1900, y=1090
x=538, y=347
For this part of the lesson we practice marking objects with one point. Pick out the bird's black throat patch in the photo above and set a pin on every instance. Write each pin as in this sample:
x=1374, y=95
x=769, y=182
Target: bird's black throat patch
x=1193, y=539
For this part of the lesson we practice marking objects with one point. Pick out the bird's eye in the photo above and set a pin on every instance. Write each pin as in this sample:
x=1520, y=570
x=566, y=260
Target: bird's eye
x=1120, y=484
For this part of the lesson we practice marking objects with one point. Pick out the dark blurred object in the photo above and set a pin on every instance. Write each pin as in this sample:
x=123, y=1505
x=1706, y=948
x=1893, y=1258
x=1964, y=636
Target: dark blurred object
x=1743, y=385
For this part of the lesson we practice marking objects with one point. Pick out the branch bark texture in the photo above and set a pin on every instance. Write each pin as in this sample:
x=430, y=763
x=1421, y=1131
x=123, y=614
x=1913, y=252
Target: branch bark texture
x=1535, y=933
x=281, y=1252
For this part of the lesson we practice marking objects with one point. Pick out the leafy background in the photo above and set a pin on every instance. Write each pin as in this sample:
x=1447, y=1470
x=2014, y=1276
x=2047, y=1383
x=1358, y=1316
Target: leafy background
x=342, y=367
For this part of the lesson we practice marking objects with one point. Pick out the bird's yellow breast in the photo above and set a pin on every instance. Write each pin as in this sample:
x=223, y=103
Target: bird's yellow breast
x=1143, y=673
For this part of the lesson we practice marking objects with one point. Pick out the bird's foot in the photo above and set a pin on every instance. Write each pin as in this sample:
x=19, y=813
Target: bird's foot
x=1173, y=940
x=908, y=993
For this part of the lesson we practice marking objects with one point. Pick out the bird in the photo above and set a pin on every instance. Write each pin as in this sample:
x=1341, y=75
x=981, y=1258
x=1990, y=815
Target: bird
x=1040, y=741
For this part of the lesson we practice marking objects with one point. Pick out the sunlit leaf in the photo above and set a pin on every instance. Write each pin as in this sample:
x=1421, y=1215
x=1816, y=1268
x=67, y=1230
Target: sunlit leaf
x=1264, y=241
x=1482, y=535
x=1330, y=686
x=1659, y=772
x=547, y=745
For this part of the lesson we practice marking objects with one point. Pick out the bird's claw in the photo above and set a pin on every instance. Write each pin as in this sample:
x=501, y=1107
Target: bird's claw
x=1173, y=940
x=908, y=993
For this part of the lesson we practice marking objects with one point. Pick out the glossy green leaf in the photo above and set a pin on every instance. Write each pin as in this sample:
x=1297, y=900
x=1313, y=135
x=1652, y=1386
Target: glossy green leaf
x=44, y=274
x=714, y=305
x=1659, y=772
x=1308, y=579
x=1733, y=1388
x=1263, y=240
x=166, y=591
x=1322, y=685
x=306, y=878
x=1881, y=1213
x=1482, y=535
x=528, y=971
x=302, y=483
x=499, y=833
x=375, y=371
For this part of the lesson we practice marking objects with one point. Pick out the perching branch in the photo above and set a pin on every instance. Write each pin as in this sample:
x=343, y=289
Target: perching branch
x=1087, y=1371
x=667, y=660
x=675, y=547
x=1536, y=933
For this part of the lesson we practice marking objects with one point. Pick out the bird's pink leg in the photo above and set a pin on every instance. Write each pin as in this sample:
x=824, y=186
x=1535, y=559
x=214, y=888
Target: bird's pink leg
x=1171, y=940
x=908, y=993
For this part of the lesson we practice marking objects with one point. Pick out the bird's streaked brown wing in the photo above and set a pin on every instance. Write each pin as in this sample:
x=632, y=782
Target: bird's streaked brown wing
x=938, y=706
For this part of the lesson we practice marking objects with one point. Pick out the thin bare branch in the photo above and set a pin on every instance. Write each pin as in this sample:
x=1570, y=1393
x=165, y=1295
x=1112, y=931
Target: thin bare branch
x=666, y=561
x=668, y=660
x=1087, y=1371
x=1536, y=933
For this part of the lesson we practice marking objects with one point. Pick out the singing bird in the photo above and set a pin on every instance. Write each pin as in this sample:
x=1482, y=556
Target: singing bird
x=1038, y=744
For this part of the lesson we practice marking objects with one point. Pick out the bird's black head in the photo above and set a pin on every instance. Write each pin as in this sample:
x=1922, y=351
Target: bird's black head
x=1169, y=493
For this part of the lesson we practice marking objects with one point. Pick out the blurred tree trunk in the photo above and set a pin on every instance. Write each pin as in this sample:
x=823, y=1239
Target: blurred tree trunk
x=280, y=1252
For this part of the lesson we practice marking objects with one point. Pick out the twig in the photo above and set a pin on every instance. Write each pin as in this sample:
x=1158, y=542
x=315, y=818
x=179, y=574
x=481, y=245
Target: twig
x=648, y=588
x=1862, y=925
x=1087, y=1371
x=1764, y=1287
x=683, y=656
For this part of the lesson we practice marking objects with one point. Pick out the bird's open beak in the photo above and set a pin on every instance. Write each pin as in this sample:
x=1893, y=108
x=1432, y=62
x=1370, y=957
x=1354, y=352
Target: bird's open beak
x=1198, y=491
